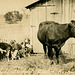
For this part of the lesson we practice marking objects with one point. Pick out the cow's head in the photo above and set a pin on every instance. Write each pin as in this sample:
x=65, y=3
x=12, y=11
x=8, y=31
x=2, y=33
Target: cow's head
x=72, y=28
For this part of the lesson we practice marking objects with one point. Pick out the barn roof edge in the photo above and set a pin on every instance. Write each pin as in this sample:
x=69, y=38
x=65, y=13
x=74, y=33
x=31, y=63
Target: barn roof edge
x=30, y=5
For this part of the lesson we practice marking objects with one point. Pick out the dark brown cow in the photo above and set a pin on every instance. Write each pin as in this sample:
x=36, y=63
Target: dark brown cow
x=54, y=35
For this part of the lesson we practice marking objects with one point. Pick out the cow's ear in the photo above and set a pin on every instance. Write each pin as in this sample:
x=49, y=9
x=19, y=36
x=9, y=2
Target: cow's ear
x=70, y=24
x=72, y=21
x=40, y=25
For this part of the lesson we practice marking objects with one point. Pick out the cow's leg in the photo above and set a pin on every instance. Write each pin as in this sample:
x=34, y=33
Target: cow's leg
x=44, y=47
x=57, y=50
x=50, y=54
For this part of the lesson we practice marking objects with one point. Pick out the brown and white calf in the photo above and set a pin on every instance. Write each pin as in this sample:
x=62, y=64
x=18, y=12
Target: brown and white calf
x=5, y=47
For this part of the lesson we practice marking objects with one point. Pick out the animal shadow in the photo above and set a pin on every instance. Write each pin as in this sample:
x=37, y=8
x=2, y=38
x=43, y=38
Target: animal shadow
x=66, y=58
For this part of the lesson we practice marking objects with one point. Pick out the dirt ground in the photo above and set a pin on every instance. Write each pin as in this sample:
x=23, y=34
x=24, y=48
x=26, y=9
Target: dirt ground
x=38, y=65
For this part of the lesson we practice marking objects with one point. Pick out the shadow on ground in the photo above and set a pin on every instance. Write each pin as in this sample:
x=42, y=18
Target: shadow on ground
x=67, y=58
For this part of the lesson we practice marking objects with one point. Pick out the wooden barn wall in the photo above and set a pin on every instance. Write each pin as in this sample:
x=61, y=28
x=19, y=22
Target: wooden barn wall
x=62, y=11
x=34, y=21
x=54, y=12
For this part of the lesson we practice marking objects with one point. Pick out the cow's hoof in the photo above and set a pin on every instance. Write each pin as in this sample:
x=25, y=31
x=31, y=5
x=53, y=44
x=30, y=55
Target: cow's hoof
x=57, y=62
x=45, y=56
x=8, y=60
x=51, y=62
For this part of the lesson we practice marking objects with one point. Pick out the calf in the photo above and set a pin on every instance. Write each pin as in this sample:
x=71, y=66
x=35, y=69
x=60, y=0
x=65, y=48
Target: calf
x=28, y=49
x=4, y=47
x=15, y=52
x=15, y=55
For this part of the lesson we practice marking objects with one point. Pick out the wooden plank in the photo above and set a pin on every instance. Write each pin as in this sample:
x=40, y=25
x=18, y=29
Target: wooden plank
x=31, y=23
x=61, y=5
x=42, y=14
x=36, y=18
x=50, y=17
x=66, y=11
x=73, y=10
x=34, y=30
x=54, y=13
x=58, y=10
